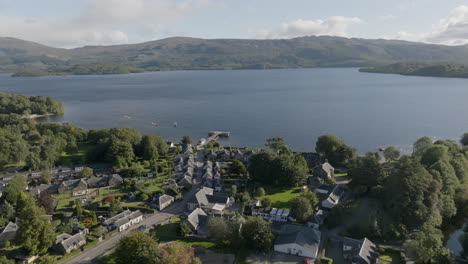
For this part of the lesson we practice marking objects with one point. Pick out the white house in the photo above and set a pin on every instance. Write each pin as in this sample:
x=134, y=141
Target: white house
x=124, y=220
x=298, y=240
x=333, y=198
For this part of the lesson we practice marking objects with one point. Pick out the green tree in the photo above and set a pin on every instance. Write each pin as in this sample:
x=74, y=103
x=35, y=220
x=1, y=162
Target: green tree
x=136, y=170
x=186, y=140
x=78, y=208
x=426, y=244
x=257, y=234
x=421, y=145
x=122, y=154
x=410, y=195
x=301, y=208
x=433, y=154
x=260, y=192
x=262, y=166
x=367, y=171
x=335, y=150
x=311, y=197
x=265, y=202
x=195, y=261
x=47, y=259
x=184, y=229
x=277, y=144
x=236, y=167
x=87, y=172
x=391, y=153
x=15, y=187
x=115, y=207
x=7, y=211
x=218, y=229
x=35, y=234
x=46, y=177
x=464, y=139
x=136, y=248
x=149, y=149
x=5, y=260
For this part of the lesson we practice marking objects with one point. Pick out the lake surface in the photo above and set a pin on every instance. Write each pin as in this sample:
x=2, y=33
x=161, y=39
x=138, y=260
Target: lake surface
x=366, y=110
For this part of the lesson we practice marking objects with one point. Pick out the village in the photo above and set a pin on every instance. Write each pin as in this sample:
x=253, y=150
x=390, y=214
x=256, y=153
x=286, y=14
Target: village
x=180, y=204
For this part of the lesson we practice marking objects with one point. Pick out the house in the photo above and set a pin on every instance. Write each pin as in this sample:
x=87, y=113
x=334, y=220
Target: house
x=123, y=220
x=318, y=218
x=261, y=212
x=77, y=187
x=334, y=197
x=324, y=170
x=359, y=251
x=211, y=155
x=218, y=186
x=196, y=219
x=105, y=181
x=324, y=188
x=36, y=174
x=50, y=188
x=8, y=233
x=298, y=240
x=185, y=181
x=163, y=201
x=206, y=199
x=66, y=243
x=78, y=168
x=224, y=154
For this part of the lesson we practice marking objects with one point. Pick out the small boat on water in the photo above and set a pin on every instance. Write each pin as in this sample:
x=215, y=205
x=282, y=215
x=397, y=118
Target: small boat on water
x=126, y=116
x=175, y=124
x=154, y=123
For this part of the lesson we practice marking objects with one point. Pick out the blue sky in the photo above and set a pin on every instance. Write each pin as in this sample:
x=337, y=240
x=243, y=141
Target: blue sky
x=72, y=23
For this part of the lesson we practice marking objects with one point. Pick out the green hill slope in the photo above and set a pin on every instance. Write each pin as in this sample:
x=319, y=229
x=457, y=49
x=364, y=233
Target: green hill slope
x=191, y=53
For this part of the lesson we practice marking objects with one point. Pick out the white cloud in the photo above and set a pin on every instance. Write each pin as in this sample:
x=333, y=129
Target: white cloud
x=452, y=30
x=100, y=22
x=333, y=26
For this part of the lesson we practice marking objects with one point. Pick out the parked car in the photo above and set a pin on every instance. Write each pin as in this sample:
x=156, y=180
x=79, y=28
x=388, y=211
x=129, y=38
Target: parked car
x=142, y=227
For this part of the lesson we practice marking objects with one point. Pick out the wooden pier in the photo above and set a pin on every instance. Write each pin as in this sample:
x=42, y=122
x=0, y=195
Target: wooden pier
x=213, y=136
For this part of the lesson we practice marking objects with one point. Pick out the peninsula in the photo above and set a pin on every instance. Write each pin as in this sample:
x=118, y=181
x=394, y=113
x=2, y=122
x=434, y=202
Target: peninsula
x=422, y=69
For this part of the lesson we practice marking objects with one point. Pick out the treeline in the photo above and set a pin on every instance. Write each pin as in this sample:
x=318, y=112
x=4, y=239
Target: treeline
x=278, y=165
x=26, y=105
x=82, y=69
x=415, y=197
x=422, y=69
x=40, y=145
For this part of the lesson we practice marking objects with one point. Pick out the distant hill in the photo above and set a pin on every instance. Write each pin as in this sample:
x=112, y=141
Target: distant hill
x=191, y=54
x=422, y=69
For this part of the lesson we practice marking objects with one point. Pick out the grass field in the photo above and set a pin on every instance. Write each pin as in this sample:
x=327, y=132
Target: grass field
x=280, y=197
x=79, y=157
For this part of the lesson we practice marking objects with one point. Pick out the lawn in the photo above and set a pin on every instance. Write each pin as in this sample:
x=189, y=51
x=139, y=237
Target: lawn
x=280, y=197
x=391, y=255
x=67, y=159
x=170, y=229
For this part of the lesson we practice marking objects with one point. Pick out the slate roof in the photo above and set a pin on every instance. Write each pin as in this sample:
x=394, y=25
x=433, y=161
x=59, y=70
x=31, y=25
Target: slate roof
x=306, y=237
x=196, y=218
x=71, y=241
x=9, y=231
x=122, y=221
x=164, y=199
x=112, y=220
x=363, y=251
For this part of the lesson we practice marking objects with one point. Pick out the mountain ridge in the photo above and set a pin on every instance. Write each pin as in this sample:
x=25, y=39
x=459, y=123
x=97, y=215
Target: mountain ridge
x=185, y=53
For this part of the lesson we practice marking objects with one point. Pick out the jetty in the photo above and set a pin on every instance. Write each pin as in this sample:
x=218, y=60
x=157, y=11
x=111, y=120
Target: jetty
x=213, y=136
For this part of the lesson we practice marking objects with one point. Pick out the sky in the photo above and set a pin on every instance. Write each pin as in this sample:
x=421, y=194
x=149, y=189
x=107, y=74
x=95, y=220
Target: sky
x=76, y=23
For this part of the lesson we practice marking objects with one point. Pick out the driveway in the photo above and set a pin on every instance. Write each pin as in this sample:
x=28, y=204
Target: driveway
x=335, y=251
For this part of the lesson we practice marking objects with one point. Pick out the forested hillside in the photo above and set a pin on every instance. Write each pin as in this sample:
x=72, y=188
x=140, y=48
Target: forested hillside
x=190, y=54
x=422, y=69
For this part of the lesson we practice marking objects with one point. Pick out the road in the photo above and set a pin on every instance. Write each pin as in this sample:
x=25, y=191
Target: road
x=91, y=255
